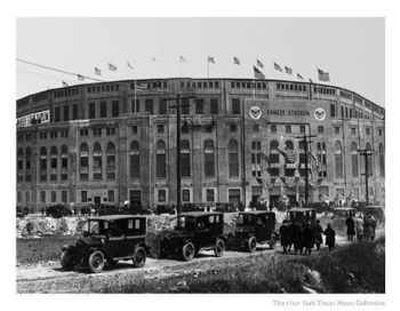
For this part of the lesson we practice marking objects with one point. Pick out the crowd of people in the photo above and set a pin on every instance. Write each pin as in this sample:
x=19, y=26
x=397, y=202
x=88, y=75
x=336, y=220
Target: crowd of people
x=303, y=236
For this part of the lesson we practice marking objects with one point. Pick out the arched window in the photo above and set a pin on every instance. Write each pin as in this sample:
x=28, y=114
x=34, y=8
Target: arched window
x=110, y=161
x=84, y=161
x=354, y=159
x=161, y=165
x=185, y=158
x=338, y=155
x=64, y=162
x=97, y=161
x=370, y=165
x=134, y=159
x=256, y=158
x=289, y=145
x=381, y=160
x=209, y=158
x=53, y=160
x=233, y=158
x=43, y=164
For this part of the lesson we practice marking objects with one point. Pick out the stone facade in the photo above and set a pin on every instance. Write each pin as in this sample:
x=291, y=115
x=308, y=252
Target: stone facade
x=247, y=114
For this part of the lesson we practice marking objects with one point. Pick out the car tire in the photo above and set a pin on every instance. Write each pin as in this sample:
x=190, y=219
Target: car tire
x=96, y=261
x=66, y=261
x=252, y=244
x=219, y=248
x=188, y=251
x=139, y=259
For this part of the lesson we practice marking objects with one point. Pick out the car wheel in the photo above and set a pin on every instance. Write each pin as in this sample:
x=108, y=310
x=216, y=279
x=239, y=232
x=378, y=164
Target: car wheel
x=139, y=259
x=66, y=260
x=219, y=248
x=252, y=244
x=188, y=251
x=96, y=261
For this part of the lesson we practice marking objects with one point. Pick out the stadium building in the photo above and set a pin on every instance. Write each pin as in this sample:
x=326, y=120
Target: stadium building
x=241, y=139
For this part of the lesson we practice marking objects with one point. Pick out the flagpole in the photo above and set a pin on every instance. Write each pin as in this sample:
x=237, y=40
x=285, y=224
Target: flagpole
x=208, y=68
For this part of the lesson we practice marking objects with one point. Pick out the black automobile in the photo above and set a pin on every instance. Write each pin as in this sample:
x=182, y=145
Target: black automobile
x=105, y=240
x=196, y=231
x=254, y=227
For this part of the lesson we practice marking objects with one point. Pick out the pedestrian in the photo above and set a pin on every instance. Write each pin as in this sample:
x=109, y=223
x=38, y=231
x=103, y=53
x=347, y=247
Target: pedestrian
x=297, y=237
x=308, y=238
x=350, y=228
x=369, y=227
x=358, y=224
x=318, y=234
x=284, y=235
x=330, y=237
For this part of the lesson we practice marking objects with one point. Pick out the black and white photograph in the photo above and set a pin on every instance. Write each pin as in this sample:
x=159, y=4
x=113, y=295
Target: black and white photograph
x=200, y=155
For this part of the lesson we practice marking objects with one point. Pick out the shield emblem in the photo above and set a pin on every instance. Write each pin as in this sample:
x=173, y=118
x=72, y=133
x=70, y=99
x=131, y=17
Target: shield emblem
x=320, y=114
x=255, y=112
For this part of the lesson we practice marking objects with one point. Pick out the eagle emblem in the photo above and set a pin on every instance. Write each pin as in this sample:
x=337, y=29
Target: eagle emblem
x=320, y=114
x=255, y=112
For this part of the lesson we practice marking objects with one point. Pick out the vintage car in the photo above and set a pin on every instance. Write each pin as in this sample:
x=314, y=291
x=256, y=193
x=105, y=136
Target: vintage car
x=343, y=212
x=105, y=240
x=254, y=227
x=195, y=231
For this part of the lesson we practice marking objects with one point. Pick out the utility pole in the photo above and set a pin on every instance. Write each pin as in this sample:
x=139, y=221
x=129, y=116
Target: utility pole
x=305, y=141
x=366, y=153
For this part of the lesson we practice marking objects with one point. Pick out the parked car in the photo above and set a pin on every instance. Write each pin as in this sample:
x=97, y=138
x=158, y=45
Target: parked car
x=58, y=211
x=254, y=227
x=196, y=231
x=105, y=240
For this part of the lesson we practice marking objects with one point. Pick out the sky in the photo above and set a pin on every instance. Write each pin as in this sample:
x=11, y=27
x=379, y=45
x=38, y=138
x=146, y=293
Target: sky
x=352, y=50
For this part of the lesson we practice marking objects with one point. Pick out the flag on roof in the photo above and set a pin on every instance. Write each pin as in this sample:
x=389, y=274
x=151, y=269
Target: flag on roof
x=80, y=77
x=140, y=86
x=64, y=83
x=310, y=80
x=258, y=74
x=299, y=76
x=260, y=63
x=288, y=70
x=182, y=59
x=97, y=71
x=323, y=75
x=236, y=60
x=129, y=65
x=211, y=59
x=277, y=67
x=111, y=67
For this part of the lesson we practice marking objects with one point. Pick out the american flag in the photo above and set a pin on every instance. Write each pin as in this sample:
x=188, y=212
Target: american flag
x=182, y=59
x=236, y=60
x=258, y=74
x=64, y=83
x=260, y=63
x=288, y=70
x=80, y=77
x=129, y=65
x=112, y=67
x=323, y=75
x=140, y=86
x=97, y=71
x=277, y=67
x=299, y=76
x=211, y=59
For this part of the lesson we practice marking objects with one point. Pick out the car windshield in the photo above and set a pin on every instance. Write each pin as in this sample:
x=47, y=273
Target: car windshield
x=91, y=227
x=187, y=222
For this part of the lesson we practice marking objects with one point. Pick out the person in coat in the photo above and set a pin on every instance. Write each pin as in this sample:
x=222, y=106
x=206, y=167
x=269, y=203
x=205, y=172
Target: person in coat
x=308, y=238
x=350, y=228
x=359, y=226
x=284, y=232
x=318, y=234
x=330, y=237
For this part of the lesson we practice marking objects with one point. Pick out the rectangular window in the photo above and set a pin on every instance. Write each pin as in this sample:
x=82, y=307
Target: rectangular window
x=302, y=129
x=235, y=106
x=210, y=195
x=57, y=114
x=234, y=196
x=185, y=164
x=233, y=164
x=66, y=113
x=368, y=131
x=134, y=129
x=110, y=196
x=53, y=196
x=135, y=106
x=115, y=108
x=333, y=110
x=288, y=129
x=353, y=131
x=64, y=196
x=199, y=106
x=273, y=129
x=320, y=129
x=214, y=106
x=103, y=109
x=160, y=128
x=75, y=112
x=161, y=171
x=337, y=130
x=134, y=165
x=92, y=110
x=43, y=196
x=149, y=106
x=163, y=107
x=185, y=106
x=162, y=195
x=97, y=131
x=209, y=164
x=83, y=196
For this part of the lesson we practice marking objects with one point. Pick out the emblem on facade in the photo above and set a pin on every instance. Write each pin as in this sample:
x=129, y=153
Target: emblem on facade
x=320, y=114
x=255, y=112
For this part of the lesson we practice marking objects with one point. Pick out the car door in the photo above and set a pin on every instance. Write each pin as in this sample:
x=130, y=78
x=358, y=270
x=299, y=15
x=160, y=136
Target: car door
x=116, y=239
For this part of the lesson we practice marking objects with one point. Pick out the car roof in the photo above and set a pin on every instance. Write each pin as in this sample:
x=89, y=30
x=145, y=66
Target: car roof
x=301, y=209
x=197, y=214
x=344, y=209
x=116, y=217
x=256, y=212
